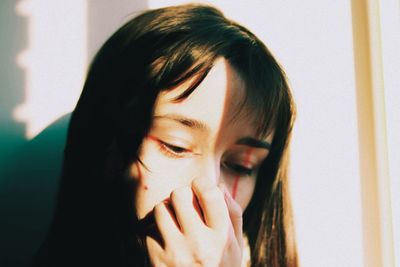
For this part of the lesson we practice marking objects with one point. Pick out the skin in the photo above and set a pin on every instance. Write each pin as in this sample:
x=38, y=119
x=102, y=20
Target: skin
x=194, y=160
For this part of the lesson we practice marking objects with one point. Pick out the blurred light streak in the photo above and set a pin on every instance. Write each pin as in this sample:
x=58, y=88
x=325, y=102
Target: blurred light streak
x=390, y=25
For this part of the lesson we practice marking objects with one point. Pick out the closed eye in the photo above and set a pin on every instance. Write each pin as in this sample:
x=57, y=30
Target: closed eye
x=172, y=150
x=238, y=169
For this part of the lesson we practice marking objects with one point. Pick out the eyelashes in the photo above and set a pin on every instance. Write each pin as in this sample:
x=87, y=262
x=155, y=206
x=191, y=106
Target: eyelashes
x=177, y=152
x=172, y=151
x=238, y=169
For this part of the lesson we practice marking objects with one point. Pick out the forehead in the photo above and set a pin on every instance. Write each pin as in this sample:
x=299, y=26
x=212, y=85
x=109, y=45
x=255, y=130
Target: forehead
x=215, y=101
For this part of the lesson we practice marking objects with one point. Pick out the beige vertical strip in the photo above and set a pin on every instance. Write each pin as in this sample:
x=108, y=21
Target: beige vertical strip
x=375, y=191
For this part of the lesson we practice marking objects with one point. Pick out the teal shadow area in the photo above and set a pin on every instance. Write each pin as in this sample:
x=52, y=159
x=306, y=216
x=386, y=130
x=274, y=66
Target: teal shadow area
x=30, y=169
x=27, y=197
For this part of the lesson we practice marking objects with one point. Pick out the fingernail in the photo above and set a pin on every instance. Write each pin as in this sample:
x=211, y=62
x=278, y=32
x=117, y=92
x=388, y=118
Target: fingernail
x=225, y=190
x=222, y=186
x=167, y=201
x=228, y=194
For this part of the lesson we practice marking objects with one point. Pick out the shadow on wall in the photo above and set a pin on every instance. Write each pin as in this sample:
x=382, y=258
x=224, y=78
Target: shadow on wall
x=12, y=79
x=12, y=133
x=12, y=137
x=30, y=169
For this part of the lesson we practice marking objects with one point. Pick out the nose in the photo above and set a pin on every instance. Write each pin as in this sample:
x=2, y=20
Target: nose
x=210, y=169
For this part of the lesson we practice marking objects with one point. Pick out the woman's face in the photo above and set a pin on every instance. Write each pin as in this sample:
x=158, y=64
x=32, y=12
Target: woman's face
x=201, y=136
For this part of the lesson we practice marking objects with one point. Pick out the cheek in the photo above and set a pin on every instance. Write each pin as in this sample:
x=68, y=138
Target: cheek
x=156, y=178
x=241, y=189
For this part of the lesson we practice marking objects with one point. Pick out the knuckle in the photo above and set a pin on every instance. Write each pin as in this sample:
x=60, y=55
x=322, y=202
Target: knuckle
x=180, y=194
x=178, y=259
x=237, y=213
x=158, y=209
x=205, y=256
x=171, y=256
x=212, y=195
x=196, y=184
x=201, y=183
x=237, y=209
x=240, y=211
x=200, y=255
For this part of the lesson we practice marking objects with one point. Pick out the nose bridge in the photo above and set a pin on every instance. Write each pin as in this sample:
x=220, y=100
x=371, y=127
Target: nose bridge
x=210, y=169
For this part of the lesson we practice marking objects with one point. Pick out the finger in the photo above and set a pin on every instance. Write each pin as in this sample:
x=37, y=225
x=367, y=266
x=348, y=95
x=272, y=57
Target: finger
x=212, y=203
x=183, y=201
x=235, y=214
x=155, y=251
x=166, y=223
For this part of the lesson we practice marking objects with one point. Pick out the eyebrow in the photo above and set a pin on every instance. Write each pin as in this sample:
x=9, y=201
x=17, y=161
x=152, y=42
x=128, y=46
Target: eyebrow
x=249, y=141
x=188, y=122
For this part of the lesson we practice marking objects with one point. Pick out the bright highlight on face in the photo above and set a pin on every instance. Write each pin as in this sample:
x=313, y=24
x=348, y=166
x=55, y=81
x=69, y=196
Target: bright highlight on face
x=202, y=136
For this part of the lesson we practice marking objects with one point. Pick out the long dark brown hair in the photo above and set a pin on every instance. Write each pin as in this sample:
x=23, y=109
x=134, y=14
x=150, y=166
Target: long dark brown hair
x=95, y=220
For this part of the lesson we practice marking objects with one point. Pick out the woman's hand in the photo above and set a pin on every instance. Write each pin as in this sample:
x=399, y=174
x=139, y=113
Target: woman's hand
x=201, y=226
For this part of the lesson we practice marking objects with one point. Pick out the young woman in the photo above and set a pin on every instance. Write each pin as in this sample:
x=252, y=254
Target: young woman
x=176, y=150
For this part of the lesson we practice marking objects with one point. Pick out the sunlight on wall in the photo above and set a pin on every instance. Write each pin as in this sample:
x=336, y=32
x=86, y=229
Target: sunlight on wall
x=313, y=41
x=54, y=61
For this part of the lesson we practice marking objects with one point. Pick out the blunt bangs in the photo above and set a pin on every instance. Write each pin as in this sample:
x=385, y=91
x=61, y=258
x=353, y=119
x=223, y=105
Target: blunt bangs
x=267, y=100
x=190, y=51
